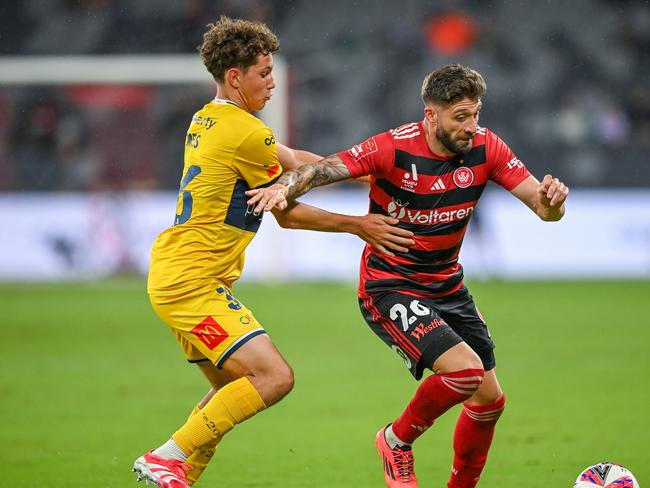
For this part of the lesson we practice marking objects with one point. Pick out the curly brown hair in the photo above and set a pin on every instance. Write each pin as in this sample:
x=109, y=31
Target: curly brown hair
x=452, y=83
x=235, y=43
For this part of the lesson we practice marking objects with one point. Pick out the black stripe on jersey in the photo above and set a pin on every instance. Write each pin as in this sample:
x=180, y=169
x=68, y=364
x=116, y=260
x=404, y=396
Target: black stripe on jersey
x=382, y=286
x=378, y=263
x=376, y=208
x=424, y=166
x=421, y=201
x=428, y=257
x=473, y=158
x=436, y=229
x=239, y=214
x=437, y=167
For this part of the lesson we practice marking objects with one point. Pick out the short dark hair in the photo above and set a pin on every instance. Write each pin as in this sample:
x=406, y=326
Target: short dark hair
x=235, y=44
x=452, y=83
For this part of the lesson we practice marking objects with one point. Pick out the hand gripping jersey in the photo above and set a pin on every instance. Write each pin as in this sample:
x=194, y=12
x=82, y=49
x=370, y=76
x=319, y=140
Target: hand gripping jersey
x=432, y=196
x=227, y=151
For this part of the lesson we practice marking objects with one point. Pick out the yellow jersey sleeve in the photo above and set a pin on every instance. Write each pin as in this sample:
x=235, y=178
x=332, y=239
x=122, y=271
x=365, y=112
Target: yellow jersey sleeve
x=256, y=159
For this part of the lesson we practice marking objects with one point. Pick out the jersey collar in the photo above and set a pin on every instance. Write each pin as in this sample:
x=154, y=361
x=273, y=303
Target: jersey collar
x=222, y=101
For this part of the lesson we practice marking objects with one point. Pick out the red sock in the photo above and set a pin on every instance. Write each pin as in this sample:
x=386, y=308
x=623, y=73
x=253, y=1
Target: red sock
x=435, y=395
x=472, y=439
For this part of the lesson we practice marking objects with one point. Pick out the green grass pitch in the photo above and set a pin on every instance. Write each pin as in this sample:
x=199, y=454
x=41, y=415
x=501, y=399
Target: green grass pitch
x=90, y=379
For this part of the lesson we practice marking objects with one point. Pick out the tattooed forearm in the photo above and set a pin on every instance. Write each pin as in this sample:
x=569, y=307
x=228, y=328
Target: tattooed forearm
x=302, y=179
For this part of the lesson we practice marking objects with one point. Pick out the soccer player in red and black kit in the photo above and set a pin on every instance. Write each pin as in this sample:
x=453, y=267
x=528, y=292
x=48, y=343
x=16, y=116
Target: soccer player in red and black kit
x=430, y=175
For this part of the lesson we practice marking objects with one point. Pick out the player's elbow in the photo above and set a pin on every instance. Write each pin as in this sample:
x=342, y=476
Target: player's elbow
x=290, y=224
x=286, y=221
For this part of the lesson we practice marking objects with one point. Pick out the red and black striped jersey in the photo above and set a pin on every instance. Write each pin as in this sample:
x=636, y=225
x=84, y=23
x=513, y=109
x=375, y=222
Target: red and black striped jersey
x=432, y=196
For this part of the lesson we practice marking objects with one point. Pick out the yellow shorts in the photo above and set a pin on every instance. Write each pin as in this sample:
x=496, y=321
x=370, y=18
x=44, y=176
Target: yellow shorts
x=208, y=322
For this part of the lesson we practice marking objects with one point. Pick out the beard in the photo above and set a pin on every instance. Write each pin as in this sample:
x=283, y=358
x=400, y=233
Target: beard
x=446, y=140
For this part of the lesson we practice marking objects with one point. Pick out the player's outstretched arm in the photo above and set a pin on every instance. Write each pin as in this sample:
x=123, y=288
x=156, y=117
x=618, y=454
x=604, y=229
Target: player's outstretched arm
x=297, y=182
x=293, y=158
x=377, y=230
x=546, y=199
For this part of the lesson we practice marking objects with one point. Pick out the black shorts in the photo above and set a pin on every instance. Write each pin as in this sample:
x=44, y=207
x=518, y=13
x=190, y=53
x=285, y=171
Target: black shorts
x=420, y=329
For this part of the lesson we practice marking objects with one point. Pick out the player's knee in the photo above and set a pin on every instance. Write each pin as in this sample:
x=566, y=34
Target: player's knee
x=469, y=368
x=279, y=383
x=496, y=398
x=286, y=381
x=471, y=360
x=458, y=358
x=486, y=413
x=474, y=362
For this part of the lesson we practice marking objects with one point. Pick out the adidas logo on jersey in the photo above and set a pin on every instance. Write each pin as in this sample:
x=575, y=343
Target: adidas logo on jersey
x=438, y=185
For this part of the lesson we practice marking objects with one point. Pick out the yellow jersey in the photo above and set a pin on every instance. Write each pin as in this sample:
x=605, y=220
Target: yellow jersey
x=227, y=152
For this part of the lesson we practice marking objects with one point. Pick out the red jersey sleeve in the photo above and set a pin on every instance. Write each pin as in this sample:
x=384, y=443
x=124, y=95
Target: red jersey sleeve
x=374, y=156
x=505, y=168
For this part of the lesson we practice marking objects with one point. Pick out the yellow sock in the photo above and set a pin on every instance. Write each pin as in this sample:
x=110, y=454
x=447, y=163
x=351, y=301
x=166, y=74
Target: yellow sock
x=232, y=404
x=200, y=458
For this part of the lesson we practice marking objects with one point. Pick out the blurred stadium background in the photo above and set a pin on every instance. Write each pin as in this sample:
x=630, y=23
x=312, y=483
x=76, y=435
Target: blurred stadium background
x=96, y=95
x=95, y=98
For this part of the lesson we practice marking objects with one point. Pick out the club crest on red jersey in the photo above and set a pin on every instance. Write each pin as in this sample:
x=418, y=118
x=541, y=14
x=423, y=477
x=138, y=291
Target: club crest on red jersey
x=463, y=177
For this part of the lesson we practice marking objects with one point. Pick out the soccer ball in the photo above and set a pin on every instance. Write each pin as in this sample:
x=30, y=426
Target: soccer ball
x=607, y=475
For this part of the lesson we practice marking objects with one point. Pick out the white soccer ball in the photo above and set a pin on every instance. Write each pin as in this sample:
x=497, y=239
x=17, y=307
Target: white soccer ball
x=606, y=475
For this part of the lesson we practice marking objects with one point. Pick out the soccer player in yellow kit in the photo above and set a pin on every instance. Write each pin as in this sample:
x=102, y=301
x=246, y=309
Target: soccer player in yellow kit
x=195, y=262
